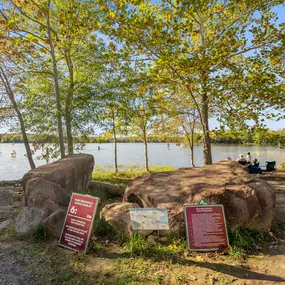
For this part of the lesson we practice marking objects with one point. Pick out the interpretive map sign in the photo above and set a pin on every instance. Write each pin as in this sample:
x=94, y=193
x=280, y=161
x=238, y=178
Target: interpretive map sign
x=78, y=222
x=206, y=227
x=149, y=219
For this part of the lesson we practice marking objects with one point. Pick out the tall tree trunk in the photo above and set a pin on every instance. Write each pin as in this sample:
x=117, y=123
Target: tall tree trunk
x=206, y=132
x=115, y=142
x=56, y=86
x=192, y=148
x=11, y=96
x=68, y=104
x=205, y=102
x=145, y=150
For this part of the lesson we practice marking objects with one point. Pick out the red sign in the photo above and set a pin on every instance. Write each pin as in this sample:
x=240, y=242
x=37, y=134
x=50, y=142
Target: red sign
x=78, y=222
x=206, y=228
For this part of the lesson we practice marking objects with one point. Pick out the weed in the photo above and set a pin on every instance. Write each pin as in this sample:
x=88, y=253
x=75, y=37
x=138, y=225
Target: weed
x=102, y=230
x=95, y=247
x=137, y=245
x=40, y=233
x=244, y=241
x=64, y=275
x=10, y=233
x=127, y=279
x=158, y=279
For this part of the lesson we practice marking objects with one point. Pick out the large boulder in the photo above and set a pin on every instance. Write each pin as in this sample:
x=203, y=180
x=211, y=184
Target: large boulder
x=72, y=174
x=47, y=191
x=248, y=201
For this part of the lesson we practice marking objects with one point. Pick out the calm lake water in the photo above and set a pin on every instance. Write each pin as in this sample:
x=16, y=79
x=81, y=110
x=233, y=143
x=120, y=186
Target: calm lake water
x=133, y=153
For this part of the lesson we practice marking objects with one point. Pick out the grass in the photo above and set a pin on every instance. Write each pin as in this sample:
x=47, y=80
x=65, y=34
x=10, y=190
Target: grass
x=244, y=241
x=137, y=245
x=104, y=231
x=10, y=233
x=40, y=233
x=124, y=176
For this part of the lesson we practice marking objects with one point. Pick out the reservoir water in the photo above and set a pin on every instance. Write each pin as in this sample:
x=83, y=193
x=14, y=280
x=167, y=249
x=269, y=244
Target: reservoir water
x=133, y=153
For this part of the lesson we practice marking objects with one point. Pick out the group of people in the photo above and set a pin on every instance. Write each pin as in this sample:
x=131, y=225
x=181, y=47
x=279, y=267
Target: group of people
x=251, y=165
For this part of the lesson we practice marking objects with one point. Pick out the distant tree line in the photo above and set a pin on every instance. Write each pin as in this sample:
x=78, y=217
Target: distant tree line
x=251, y=136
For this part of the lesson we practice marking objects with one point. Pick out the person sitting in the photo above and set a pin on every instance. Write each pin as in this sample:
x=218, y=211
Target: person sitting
x=241, y=160
x=254, y=167
x=248, y=158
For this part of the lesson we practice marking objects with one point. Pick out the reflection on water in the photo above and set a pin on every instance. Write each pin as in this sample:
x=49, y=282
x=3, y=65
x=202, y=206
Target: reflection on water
x=133, y=153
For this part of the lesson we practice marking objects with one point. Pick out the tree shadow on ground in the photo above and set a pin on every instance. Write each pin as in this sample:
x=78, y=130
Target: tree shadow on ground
x=231, y=270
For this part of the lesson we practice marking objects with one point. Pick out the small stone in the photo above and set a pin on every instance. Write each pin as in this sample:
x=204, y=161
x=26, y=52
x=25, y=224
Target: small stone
x=162, y=239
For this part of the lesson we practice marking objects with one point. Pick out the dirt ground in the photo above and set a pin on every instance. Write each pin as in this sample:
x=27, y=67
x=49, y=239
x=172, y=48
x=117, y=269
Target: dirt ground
x=25, y=261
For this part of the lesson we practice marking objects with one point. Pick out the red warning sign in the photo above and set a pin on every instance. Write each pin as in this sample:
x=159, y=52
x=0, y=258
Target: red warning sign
x=78, y=223
x=206, y=228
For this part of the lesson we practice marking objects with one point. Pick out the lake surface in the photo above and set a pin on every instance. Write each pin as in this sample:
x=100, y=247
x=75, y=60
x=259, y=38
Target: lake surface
x=133, y=153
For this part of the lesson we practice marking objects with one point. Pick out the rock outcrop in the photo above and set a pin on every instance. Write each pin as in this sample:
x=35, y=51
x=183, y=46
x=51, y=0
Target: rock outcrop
x=248, y=201
x=47, y=191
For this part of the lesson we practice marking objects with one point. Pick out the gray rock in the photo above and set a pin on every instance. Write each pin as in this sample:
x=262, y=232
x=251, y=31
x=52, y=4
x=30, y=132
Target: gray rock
x=42, y=192
x=29, y=218
x=6, y=224
x=55, y=221
x=47, y=191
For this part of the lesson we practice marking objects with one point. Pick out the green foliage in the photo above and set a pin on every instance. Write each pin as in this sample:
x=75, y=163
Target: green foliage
x=123, y=177
x=40, y=233
x=137, y=245
x=104, y=231
x=10, y=233
x=244, y=241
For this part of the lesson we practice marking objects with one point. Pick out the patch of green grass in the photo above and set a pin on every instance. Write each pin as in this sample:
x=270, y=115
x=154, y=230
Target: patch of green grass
x=137, y=245
x=244, y=241
x=125, y=176
x=40, y=233
x=127, y=279
x=104, y=231
x=10, y=233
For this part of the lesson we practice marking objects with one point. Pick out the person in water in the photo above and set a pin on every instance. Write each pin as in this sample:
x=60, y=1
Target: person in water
x=99, y=148
x=248, y=158
x=14, y=153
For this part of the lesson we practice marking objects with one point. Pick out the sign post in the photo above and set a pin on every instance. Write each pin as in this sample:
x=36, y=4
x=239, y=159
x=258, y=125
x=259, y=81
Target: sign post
x=149, y=219
x=206, y=227
x=78, y=222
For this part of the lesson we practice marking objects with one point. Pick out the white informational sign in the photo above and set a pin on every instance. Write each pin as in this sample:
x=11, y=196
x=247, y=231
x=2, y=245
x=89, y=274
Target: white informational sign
x=149, y=219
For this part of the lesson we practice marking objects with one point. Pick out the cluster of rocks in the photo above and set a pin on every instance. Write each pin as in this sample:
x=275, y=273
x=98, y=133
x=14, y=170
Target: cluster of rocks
x=47, y=191
x=248, y=201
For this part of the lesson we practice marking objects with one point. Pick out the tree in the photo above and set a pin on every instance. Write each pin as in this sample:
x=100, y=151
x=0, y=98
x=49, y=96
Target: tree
x=142, y=109
x=4, y=81
x=192, y=43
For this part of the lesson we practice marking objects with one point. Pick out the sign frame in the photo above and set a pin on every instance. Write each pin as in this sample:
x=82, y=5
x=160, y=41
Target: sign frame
x=187, y=229
x=149, y=209
x=92, y=222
